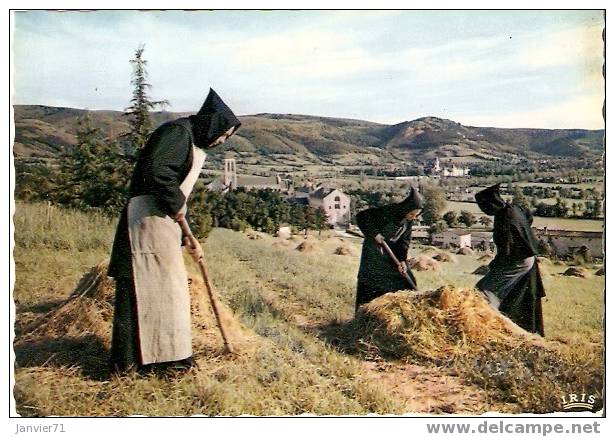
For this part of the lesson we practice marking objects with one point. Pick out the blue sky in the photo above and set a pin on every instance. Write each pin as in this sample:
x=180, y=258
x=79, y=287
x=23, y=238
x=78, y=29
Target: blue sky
x=483, y=68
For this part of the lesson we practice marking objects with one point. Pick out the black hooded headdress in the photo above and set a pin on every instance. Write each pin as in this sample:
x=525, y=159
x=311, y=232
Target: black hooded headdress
x=512, y=226
x=413, y=201
x=489, y=200
x=212, y=121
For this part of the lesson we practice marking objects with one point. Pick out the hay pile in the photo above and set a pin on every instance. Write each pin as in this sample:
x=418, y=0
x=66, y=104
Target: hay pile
x=465, y=251
x=423, y=263
x=88, y=310
x=344, y=250
x=457, y=329
x=77, y=332
x=437, y=327
x=579, y=272
x=481, y=270
x=307, y=246
x=446, y=257
x=430, y=251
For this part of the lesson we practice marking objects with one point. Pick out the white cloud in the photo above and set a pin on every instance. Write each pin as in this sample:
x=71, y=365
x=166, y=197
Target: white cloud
x=579, y=112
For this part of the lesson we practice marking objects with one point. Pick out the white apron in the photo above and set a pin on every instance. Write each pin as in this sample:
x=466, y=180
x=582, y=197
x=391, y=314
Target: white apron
x=160, y=280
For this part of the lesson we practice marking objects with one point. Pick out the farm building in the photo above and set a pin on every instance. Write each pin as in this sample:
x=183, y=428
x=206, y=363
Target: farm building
x=569, y=242
x=420, y=234
x=335, y=203
x=453, y=238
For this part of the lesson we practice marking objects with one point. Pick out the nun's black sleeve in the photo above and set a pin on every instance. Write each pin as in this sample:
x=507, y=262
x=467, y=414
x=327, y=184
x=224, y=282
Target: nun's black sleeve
x=401, y=247
x=169, y=155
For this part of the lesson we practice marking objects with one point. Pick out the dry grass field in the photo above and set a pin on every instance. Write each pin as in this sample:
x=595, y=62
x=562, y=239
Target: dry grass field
x=299, y=349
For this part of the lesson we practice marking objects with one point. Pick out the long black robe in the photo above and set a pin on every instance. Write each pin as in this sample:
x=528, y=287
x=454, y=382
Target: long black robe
x=162, y=165
x=515, y=243
x=377, y=273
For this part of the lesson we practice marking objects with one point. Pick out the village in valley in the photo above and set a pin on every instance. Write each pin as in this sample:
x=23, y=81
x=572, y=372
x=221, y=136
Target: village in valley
x=563, y=239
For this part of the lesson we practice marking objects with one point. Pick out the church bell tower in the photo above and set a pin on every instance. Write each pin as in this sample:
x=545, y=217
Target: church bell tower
x=230, y=173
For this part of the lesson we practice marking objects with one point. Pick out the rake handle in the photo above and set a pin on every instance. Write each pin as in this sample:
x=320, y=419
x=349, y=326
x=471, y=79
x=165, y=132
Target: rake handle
x=381, y=241
x=210, y=292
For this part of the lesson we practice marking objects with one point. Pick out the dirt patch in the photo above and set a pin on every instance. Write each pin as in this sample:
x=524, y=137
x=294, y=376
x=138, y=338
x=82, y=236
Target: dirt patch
x=428, y=390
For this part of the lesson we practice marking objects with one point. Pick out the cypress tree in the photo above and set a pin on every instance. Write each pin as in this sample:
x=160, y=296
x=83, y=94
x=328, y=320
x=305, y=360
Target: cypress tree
x=138, y=112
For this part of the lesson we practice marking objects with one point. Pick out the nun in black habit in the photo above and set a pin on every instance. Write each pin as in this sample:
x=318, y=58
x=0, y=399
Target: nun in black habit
x=513, y=284
x=377, y=273
x=151, y=324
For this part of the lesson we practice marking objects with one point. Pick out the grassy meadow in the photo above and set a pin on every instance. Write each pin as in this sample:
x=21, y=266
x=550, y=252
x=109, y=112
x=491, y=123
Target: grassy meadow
x=276, y=299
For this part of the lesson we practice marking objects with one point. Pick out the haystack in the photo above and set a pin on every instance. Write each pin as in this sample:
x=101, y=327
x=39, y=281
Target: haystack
x=579, y=272
x=600, y=272
x=465, y=251
x=307, y=246
x=423, y=263
x=88, y=310
x=481, y=270
x=344, y=250
x=430, y=251
x=456, y=328
x=446, y=257
x=84, y=321
x=436, y=326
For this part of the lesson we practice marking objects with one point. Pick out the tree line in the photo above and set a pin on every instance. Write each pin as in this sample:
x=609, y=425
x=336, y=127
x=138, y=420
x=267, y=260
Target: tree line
x=264, y=210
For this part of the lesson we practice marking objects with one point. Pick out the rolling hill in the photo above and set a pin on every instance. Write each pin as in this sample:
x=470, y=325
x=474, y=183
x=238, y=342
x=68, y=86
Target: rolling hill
x=44, y=132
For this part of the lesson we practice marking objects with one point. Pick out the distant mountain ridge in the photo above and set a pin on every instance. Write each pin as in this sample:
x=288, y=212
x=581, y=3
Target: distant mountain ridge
x=45, y=131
